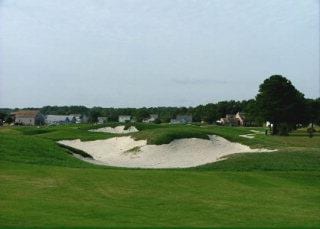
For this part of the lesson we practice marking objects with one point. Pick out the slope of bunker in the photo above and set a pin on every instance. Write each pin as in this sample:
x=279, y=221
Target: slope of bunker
x=182, y=153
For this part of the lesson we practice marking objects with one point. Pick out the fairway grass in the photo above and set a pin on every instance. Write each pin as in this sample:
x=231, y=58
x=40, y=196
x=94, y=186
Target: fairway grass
x=42, y=185
x=35, y=195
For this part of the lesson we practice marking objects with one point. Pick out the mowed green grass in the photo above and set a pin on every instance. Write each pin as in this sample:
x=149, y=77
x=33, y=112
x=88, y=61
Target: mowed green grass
x=44, y=186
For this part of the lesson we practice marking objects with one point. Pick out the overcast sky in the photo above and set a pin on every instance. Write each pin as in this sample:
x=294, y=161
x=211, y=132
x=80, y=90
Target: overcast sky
x=153, y=52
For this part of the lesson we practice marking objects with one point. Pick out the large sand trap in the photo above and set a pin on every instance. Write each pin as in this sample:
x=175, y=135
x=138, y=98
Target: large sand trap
x=182, y=153
x=116, y=130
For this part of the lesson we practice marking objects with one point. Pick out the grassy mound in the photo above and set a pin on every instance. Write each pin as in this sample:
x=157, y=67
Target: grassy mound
x=165, y=135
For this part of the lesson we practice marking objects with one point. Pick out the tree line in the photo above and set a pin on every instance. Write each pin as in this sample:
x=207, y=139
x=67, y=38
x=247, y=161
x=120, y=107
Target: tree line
x=207, y=113
x=278, y=101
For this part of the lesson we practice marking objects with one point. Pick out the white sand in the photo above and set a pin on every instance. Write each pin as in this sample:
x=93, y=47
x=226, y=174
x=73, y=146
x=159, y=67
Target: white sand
x=257, y=131
x=116, y=130
x=182, y=153
x=247, y=136
x=250, y=136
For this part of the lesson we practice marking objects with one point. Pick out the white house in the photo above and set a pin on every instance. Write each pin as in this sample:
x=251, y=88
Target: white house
x=65, y=119
x=124, y=118
x=61, y=119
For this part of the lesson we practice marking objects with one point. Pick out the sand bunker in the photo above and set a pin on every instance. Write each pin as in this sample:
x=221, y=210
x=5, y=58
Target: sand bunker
x=182, y=153
x=116, y=130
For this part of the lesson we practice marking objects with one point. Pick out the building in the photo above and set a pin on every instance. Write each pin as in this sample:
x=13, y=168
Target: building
x=65, y=119
x=28, y=117
x=124, y=118
x=229, y=120
x=241, y=117
x=102, y=120
x=182, y=119
x=61, y=119
x=238, y=119
x=79, y=118
x=152, y=118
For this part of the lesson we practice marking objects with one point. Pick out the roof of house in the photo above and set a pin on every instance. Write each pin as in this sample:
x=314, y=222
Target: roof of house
x=26, y=113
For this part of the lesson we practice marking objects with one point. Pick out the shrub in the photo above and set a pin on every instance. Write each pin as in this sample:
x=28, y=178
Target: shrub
x=157, y=121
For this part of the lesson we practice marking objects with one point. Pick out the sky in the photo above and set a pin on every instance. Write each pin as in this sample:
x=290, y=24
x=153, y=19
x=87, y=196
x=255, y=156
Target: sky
x=135, y=53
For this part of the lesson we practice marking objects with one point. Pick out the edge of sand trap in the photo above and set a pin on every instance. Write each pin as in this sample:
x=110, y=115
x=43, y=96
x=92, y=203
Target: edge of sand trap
x=182, y=153
x=116, y=130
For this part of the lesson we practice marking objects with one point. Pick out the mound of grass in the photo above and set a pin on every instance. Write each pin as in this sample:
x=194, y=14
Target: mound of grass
x=308, y=160
x=76, y=151
x=34, y=131
x=35, y=150
x=264, y=141
x=167, y=134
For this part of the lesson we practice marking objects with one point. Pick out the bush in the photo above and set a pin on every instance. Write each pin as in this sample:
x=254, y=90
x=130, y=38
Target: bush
x=157, y=121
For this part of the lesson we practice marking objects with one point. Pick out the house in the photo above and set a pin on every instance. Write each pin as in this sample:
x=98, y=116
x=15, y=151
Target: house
x=230, y=120
x=182, y=119
x=241, y=117
x=102, y=120
x=152, y=118
x=60, y=119
x=80, y=118
x=124, y=118
x=238, y=119
x=28, y=117
x=65, y=119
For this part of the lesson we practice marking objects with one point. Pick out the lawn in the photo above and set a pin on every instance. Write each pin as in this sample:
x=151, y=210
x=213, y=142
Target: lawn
x=42, y=185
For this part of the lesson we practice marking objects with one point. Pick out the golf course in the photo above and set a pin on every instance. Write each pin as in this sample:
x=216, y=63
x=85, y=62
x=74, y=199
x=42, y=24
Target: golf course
x=44, y=185
x=178, y=114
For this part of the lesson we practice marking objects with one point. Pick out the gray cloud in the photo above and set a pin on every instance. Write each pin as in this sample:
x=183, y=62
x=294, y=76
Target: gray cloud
x=200, y=81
